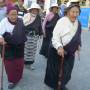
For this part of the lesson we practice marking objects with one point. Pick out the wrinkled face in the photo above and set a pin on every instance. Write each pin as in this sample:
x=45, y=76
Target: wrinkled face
x=13, y=15
x=35, y=11
x=73, y=13
x=54, y=9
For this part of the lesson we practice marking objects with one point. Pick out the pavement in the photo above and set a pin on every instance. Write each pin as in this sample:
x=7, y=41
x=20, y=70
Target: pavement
x=33, y=79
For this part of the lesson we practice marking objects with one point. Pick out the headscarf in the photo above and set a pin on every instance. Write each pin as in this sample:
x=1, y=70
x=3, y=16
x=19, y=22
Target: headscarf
x=11, y=7
x=48, y=17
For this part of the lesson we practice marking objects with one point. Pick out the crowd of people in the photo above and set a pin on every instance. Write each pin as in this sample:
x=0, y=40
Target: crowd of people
x=20, y=29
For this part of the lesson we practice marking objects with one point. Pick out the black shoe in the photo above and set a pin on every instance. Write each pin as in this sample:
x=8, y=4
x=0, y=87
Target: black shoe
x=64, y=88
x=11, y=85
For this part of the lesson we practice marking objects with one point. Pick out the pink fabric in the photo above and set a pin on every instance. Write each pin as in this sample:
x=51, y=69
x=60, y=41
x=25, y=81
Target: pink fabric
x=14, y=69
x=48, y=17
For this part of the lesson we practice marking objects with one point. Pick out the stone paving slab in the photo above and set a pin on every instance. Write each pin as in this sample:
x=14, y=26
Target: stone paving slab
x=33, y=80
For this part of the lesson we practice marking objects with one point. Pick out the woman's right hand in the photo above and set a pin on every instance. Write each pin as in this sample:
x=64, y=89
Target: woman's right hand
x=2, y=41
x=44, y=35
x=60, y=51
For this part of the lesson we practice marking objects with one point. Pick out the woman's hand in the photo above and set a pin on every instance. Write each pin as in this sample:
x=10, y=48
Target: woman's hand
x=78, y=52
x=2, y=41
x=79, y=48
x=60, y=52
x=44, y=34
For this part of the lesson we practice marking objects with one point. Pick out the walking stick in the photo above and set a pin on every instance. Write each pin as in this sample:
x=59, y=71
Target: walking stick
x=3, y=51
x=60, y=75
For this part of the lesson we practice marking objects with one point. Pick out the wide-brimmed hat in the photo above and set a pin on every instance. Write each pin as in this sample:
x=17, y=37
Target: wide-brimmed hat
x=71, y=6
x=54, y=5
x=34, y=6
x=73, y=2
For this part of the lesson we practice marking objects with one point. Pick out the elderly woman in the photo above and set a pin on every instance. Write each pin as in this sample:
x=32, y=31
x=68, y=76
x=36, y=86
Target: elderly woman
x=48, y=26
x=12, y=33
x=32, y=22
x=66, y=41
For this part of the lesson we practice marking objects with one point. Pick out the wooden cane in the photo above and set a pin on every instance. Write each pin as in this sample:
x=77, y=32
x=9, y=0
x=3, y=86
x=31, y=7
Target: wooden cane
x=60, y=74
x=3, y=51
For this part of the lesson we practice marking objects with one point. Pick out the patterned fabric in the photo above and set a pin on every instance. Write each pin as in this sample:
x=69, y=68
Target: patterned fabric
x=30, y=48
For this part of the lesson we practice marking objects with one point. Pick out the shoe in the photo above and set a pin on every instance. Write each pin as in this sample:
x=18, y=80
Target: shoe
x=27, y=66
x=64, y=88
x=11, y=85
x=30, y=67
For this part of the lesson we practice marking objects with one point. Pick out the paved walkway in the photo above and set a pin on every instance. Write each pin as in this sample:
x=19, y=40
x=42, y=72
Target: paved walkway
x=33, y=80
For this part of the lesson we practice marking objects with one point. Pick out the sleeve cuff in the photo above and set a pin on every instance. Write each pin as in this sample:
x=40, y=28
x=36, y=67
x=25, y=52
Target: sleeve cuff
x=56, y=46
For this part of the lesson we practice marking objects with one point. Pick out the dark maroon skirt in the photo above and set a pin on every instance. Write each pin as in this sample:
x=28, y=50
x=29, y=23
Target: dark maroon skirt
x=14, y=69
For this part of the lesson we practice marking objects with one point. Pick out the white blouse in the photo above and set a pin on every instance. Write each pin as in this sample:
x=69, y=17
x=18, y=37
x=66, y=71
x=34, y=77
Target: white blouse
x=64, y=32
x=6, y=26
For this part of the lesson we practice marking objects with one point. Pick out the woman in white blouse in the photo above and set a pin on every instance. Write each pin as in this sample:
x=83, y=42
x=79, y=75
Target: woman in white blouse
x=13, y=35
x=66, y=41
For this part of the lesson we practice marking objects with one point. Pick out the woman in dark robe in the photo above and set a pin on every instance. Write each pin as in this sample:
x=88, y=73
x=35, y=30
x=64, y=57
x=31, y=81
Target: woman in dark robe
x=13, y=34
x=33, y=29
x=48, y=26
x=66, y=41
x=21, y=8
